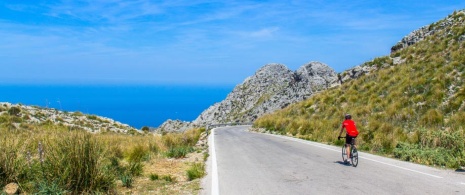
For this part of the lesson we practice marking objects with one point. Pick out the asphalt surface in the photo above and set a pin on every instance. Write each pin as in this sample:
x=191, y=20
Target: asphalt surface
x=243, y=162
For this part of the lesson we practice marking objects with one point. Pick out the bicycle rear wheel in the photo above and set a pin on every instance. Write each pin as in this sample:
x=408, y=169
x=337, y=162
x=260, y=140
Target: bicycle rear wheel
x=344, y=153
x=354, y=156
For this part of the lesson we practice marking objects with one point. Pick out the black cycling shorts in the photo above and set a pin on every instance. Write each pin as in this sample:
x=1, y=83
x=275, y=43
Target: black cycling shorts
x=349, y=139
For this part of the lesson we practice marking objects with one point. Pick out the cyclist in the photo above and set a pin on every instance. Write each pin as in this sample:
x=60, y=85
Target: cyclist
x=351, y=130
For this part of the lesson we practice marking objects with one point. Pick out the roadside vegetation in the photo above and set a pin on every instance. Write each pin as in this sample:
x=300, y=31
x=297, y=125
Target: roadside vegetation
x=55, y=159
x=414, y=111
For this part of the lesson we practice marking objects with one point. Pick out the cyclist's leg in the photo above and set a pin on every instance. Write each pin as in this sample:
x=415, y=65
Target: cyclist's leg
x=354, y=141
x=348, y=142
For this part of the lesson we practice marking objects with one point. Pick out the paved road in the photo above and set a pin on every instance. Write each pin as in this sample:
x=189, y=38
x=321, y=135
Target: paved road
x=243, y=162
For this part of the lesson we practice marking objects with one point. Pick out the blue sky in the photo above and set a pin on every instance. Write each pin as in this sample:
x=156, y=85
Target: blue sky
x=201, y=42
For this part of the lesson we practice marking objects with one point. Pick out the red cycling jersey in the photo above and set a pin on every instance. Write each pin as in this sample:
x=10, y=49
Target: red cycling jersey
x=350, y=127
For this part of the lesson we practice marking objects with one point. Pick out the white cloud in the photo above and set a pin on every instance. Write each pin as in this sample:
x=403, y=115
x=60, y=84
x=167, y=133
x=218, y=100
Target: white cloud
x=264, y=33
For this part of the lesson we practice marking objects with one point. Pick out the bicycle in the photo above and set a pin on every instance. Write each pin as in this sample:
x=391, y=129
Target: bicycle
x=353, y=153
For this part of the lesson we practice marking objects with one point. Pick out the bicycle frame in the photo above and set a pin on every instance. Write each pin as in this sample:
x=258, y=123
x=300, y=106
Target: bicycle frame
x=353, y=153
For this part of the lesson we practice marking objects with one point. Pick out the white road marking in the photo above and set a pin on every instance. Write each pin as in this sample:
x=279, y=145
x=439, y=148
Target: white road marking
x=403, y=168
x=215, y=184
x=327, y=148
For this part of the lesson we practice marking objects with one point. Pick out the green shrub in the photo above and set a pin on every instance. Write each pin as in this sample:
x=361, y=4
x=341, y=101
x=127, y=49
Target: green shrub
x=138, y=154
x=205, y=156
x=127, y=180
x=14, y=111
x=197, y=170
x=154, y=177
x=179, y=152
x=78, y=162
x=135, y=168
x=91, y=117
x=153, y=147
x=11, y=164
x=16, y=119
x=145, y=129
x=50, y=188
x=168, y=178
x=432, y=117
x=78, y=114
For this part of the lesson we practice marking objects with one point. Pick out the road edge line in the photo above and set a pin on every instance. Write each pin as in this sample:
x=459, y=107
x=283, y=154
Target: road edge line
x=215, y=183
x=388, y=164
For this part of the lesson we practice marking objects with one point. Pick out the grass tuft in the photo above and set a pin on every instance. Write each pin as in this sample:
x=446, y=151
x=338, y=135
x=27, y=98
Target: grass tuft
x=197, y=170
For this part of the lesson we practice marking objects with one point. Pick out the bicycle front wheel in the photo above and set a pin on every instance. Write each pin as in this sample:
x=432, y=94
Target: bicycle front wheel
x=354, y=156
x=344, y=153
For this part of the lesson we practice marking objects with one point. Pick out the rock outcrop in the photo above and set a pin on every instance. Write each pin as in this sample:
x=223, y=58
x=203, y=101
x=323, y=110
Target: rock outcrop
x=429, y=30
x=174, y=126
x=272, y=87
x=437, y=28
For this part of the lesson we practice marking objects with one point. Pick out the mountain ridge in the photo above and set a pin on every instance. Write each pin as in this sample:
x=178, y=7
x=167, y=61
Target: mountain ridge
x=218, y=113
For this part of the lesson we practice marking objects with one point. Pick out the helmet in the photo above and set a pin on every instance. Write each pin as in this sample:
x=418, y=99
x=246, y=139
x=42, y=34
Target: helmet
x=348, y=116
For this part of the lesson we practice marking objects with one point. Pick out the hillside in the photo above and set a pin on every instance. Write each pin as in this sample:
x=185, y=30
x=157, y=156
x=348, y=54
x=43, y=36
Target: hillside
x=18, y=116
x=409, y=105
x=46, y=151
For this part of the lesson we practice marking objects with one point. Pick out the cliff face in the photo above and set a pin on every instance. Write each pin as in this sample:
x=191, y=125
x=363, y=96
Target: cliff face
x=272, y=87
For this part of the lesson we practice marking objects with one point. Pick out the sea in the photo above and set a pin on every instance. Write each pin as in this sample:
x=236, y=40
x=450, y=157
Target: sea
x=135, y=105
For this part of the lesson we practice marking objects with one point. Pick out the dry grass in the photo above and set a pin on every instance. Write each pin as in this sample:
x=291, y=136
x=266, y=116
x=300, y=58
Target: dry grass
x=45, y=158
x=166, y=167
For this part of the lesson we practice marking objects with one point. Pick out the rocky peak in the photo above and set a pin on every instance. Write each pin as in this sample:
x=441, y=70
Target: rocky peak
x=318, y=73
x=272, y=87
x=272, y=68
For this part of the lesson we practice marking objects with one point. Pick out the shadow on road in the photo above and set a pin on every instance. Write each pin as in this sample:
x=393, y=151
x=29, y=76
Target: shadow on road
x=343, y=163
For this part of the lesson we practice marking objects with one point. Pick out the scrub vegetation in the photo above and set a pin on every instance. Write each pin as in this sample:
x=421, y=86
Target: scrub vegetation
x=54, y=159
x=414, y=111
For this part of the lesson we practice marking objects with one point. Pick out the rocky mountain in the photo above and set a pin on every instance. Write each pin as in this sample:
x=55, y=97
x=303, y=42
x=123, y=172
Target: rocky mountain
x=18, y=116
x=272, y=87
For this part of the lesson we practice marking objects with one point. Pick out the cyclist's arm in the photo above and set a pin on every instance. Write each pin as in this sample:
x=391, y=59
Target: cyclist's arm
x=342, y=129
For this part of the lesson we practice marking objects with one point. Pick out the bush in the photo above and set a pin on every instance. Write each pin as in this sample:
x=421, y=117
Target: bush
x=179, y=152
x=14, y=111
x=11, y=165
x=168, y=178
x=50, y=188
x=197, y=170
x=135, y=168
x=154, y=177
x=138, y=154
x=127, y=180
x=77, y=161
x=78, y=114
x=91, y=117
x=145, y=129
